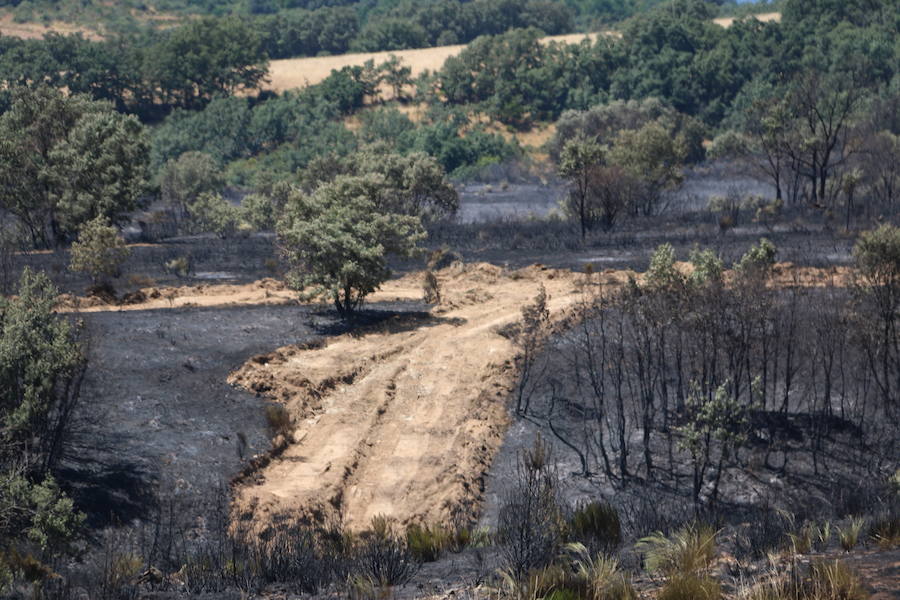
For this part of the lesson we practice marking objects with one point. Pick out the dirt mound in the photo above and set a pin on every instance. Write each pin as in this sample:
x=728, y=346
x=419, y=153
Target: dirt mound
x=402, y=420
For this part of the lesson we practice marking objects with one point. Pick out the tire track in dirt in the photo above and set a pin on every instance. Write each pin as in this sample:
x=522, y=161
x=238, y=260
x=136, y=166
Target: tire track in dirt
x=412, y=435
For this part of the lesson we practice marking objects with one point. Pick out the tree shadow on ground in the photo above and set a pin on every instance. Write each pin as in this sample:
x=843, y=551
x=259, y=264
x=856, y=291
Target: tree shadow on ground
x=371, y=321
x=109, y=492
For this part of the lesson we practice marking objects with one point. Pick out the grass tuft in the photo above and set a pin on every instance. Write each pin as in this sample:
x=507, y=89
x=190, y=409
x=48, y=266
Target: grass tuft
x=688, y=586
x=279, y=419
x=427, y=543
x=688, y=550
x=834, y=581
x=596, y=524
x=600, y=575
x=849, y=535
x=886, y=532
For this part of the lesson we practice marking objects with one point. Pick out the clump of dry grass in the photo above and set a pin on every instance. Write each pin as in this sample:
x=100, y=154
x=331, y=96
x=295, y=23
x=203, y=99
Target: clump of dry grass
x=885, y=532
x=691, y=549
x=600, y=575
x=597, y=524
x=688, y=586
x=849, y=535
x=279, y=419
x=825, y=580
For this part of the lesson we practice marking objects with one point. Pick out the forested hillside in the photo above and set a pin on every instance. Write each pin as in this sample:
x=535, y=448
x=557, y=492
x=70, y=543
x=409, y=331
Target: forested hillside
x=308, y=28
x=197, y=89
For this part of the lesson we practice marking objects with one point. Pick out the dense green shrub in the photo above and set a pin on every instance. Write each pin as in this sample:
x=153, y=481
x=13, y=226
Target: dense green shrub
x=41, y=368
x=99, y=250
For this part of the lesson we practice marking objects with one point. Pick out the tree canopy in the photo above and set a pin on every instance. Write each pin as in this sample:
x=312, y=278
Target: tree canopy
x=65, y=160
x=337, y=240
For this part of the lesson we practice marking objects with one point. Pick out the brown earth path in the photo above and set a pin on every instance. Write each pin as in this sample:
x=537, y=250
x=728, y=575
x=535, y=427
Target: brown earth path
x=401, y=422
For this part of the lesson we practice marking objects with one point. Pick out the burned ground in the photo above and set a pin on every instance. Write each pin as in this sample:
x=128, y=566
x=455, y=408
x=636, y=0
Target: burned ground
x=157, y=416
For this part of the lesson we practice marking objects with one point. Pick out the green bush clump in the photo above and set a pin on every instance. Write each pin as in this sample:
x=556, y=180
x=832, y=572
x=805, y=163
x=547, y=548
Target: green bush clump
x=427, y=543
x=99, y=251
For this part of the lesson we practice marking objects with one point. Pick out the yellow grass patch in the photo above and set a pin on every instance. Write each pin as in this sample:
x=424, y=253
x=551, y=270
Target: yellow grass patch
x=764, y=17
x=293, y=73
x=35, y=31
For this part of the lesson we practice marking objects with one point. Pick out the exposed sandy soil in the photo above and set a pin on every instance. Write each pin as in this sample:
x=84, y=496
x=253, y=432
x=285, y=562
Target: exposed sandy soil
x=293, y=73
x=264, y=292
x=273, y=292
x=879, y=571
x=404, y=420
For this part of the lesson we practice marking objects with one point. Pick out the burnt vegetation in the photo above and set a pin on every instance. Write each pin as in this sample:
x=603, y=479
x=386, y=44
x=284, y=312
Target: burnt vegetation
x=721, y=420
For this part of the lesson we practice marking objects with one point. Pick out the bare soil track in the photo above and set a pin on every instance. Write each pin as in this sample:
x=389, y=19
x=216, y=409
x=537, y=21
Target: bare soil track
x=402, y=421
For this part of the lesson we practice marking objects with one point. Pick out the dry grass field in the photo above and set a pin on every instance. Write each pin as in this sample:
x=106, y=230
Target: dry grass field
x=293, y=73
x=33, y=31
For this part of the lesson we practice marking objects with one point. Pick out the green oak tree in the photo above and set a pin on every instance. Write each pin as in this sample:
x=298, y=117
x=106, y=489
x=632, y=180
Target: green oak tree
x=337, y=240
x=99, y=251
x=65, y=160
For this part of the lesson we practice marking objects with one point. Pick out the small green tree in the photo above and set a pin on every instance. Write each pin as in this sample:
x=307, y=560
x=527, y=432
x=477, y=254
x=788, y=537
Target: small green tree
x=66, y=159
x=397, y=76
x=579, y=159
x=662, y=274
x=336, y=240
x=654, y=156
x=182, y=181
x=210, y=212
x=99, y=251
x=758, y=261
x=708, y=269
x=414, y=184
x=713, y=419
x=259, y=211
x=877, y=255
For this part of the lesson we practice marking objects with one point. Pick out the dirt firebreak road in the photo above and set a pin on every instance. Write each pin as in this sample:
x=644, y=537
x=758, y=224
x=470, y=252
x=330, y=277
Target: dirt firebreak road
x=403, y=421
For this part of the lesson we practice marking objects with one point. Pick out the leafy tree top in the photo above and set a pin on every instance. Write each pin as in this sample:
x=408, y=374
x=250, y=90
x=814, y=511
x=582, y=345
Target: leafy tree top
x=337, y=239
